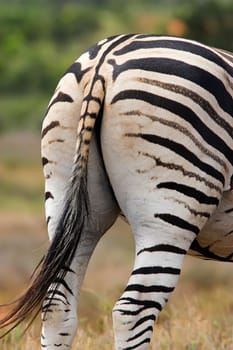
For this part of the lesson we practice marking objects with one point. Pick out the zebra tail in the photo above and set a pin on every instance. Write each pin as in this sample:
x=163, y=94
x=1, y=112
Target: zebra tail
x=74, y=219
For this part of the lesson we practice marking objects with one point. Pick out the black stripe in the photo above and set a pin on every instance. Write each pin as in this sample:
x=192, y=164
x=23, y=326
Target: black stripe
x=48, y=195
x=205, y=251
x=61, y=281
x=163, y=248
x=226, y=54
x=183, y=112
x=111, y=47
x=94, y=50
x=178, y=222
x=195, y=97
x=143, y=320
x=45, y=307
x=44, y=161
x=148, y=329
x=58, y=292
x=229, y=211
x=155, y=270
x=180, y=69
x=138, y=311
x=61, y=97
x=186, y=131
x=49, y=127
x=130, y=312
x=57, y=299
x=185, y=172
x=76, y=69
x=148, y=289
x=188, y=46
x=68, y=269
x=183, y=152
x=190, y=192
x=89, y=98
x=146, y=303
x=145, y=341
x=228, y=233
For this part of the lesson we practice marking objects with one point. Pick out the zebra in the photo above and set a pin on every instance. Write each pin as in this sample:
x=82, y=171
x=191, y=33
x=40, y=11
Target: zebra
x=139, y=126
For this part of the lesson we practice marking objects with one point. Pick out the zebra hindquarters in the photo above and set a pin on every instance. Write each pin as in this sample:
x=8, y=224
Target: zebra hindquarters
x=59, y=137
x=166, y=198
x=162, y=240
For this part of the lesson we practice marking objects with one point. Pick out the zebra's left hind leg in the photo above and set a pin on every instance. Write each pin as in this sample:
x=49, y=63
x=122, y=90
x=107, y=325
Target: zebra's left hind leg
x=60, y=319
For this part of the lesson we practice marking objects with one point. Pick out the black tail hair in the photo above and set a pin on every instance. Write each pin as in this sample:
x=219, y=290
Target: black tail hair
x=54, y=265
x=74, y=218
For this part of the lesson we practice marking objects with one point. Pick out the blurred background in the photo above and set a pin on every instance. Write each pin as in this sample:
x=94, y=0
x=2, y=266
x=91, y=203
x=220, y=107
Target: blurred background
x=39, y=39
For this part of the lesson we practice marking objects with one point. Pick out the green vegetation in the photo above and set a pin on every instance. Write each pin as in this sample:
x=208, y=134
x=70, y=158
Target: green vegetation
x=39, y=39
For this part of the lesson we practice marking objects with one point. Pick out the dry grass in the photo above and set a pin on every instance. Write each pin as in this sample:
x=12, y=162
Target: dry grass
x=189, y=322
x=199, y=315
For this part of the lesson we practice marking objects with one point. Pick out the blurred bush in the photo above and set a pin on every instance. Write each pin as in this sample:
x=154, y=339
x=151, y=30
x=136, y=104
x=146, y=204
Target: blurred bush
x=39, y=39
x=209, y=21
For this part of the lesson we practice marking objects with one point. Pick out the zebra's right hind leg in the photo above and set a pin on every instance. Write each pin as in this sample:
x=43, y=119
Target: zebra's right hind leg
x=162, y=239
x=155, y=274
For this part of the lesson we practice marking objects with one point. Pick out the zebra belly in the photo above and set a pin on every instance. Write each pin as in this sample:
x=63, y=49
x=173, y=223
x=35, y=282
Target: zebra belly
x=215, y=241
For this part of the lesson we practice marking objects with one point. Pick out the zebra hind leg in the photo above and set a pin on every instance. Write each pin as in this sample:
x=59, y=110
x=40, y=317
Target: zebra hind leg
x=59, y=317
x=157, y=268
x=59, y=312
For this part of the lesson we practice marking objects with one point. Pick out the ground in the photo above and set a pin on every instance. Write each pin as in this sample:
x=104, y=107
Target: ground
x=199, y=315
